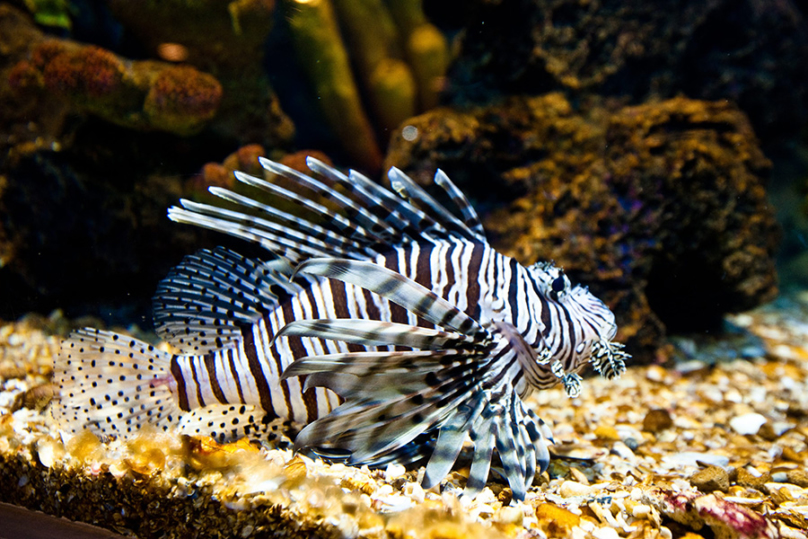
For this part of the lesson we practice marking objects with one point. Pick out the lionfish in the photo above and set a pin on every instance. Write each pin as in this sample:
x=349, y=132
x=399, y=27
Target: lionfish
x=385, y=326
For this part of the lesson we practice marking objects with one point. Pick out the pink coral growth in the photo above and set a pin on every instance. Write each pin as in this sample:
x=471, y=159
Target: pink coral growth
x=741, y=520
x=24, y=76
x=89, y=71
x=727, y=519
x=184, y=91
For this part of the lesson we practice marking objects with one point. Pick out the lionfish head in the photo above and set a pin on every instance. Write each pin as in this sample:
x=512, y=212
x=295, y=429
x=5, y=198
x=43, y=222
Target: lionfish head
x=582, y=330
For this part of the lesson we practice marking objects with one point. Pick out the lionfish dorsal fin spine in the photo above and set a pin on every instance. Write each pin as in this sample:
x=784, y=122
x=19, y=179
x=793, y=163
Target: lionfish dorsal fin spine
x=470, y=218
x=352, y=222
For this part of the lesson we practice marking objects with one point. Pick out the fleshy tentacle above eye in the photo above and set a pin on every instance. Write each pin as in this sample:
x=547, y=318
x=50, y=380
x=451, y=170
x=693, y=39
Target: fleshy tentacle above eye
x=461, y=380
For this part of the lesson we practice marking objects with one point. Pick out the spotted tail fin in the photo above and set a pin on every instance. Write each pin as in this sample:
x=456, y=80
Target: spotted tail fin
x=112, y=385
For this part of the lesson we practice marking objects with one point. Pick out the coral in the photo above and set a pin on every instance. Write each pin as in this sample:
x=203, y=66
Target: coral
x=226, y=40
x=245, y=159
x=181, y=98
x=750, y=52
x=726, y=519
x=138, y=95
x=297, y=160
x=86, y=74
x=659, y=208
x=221, y=174
x=18, y=36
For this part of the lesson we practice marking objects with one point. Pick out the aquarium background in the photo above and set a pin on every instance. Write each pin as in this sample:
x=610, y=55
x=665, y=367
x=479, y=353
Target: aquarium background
x=656, y=150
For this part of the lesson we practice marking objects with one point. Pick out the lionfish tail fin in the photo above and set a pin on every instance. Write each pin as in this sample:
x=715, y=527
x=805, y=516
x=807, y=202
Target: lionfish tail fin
x=113, y=384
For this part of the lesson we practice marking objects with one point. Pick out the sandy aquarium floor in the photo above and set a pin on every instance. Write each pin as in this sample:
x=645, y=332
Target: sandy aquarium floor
x=714, y=446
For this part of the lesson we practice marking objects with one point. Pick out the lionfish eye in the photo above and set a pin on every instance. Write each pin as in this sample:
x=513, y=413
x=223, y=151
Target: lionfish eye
x=558, y=284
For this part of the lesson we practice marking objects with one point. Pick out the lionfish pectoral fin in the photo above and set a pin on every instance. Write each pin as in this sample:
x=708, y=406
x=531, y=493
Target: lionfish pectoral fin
x=508, y=454
x=450, y=440
x=398, y=289
x=391, y=399
x=484, y=441
x=540, y=436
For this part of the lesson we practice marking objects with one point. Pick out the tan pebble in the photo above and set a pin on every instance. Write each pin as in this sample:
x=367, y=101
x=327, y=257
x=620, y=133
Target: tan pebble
x=578, y=475
x=657, y=420
x=358, y=484
x=793, y=456
x=10, y=371
x=510, y=515
x=798, y=477
x=779, y=495
x=746, y=479
x=36, y=398
x=607, y=433
x=573, y=488
x=766, y=432
x=641, y=511
x=505, y=496
x=710, y=479
x=556, y=519
x=655, y=373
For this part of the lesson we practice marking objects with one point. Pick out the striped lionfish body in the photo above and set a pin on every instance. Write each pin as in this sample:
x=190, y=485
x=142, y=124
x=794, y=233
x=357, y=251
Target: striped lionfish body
x=384, y=325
